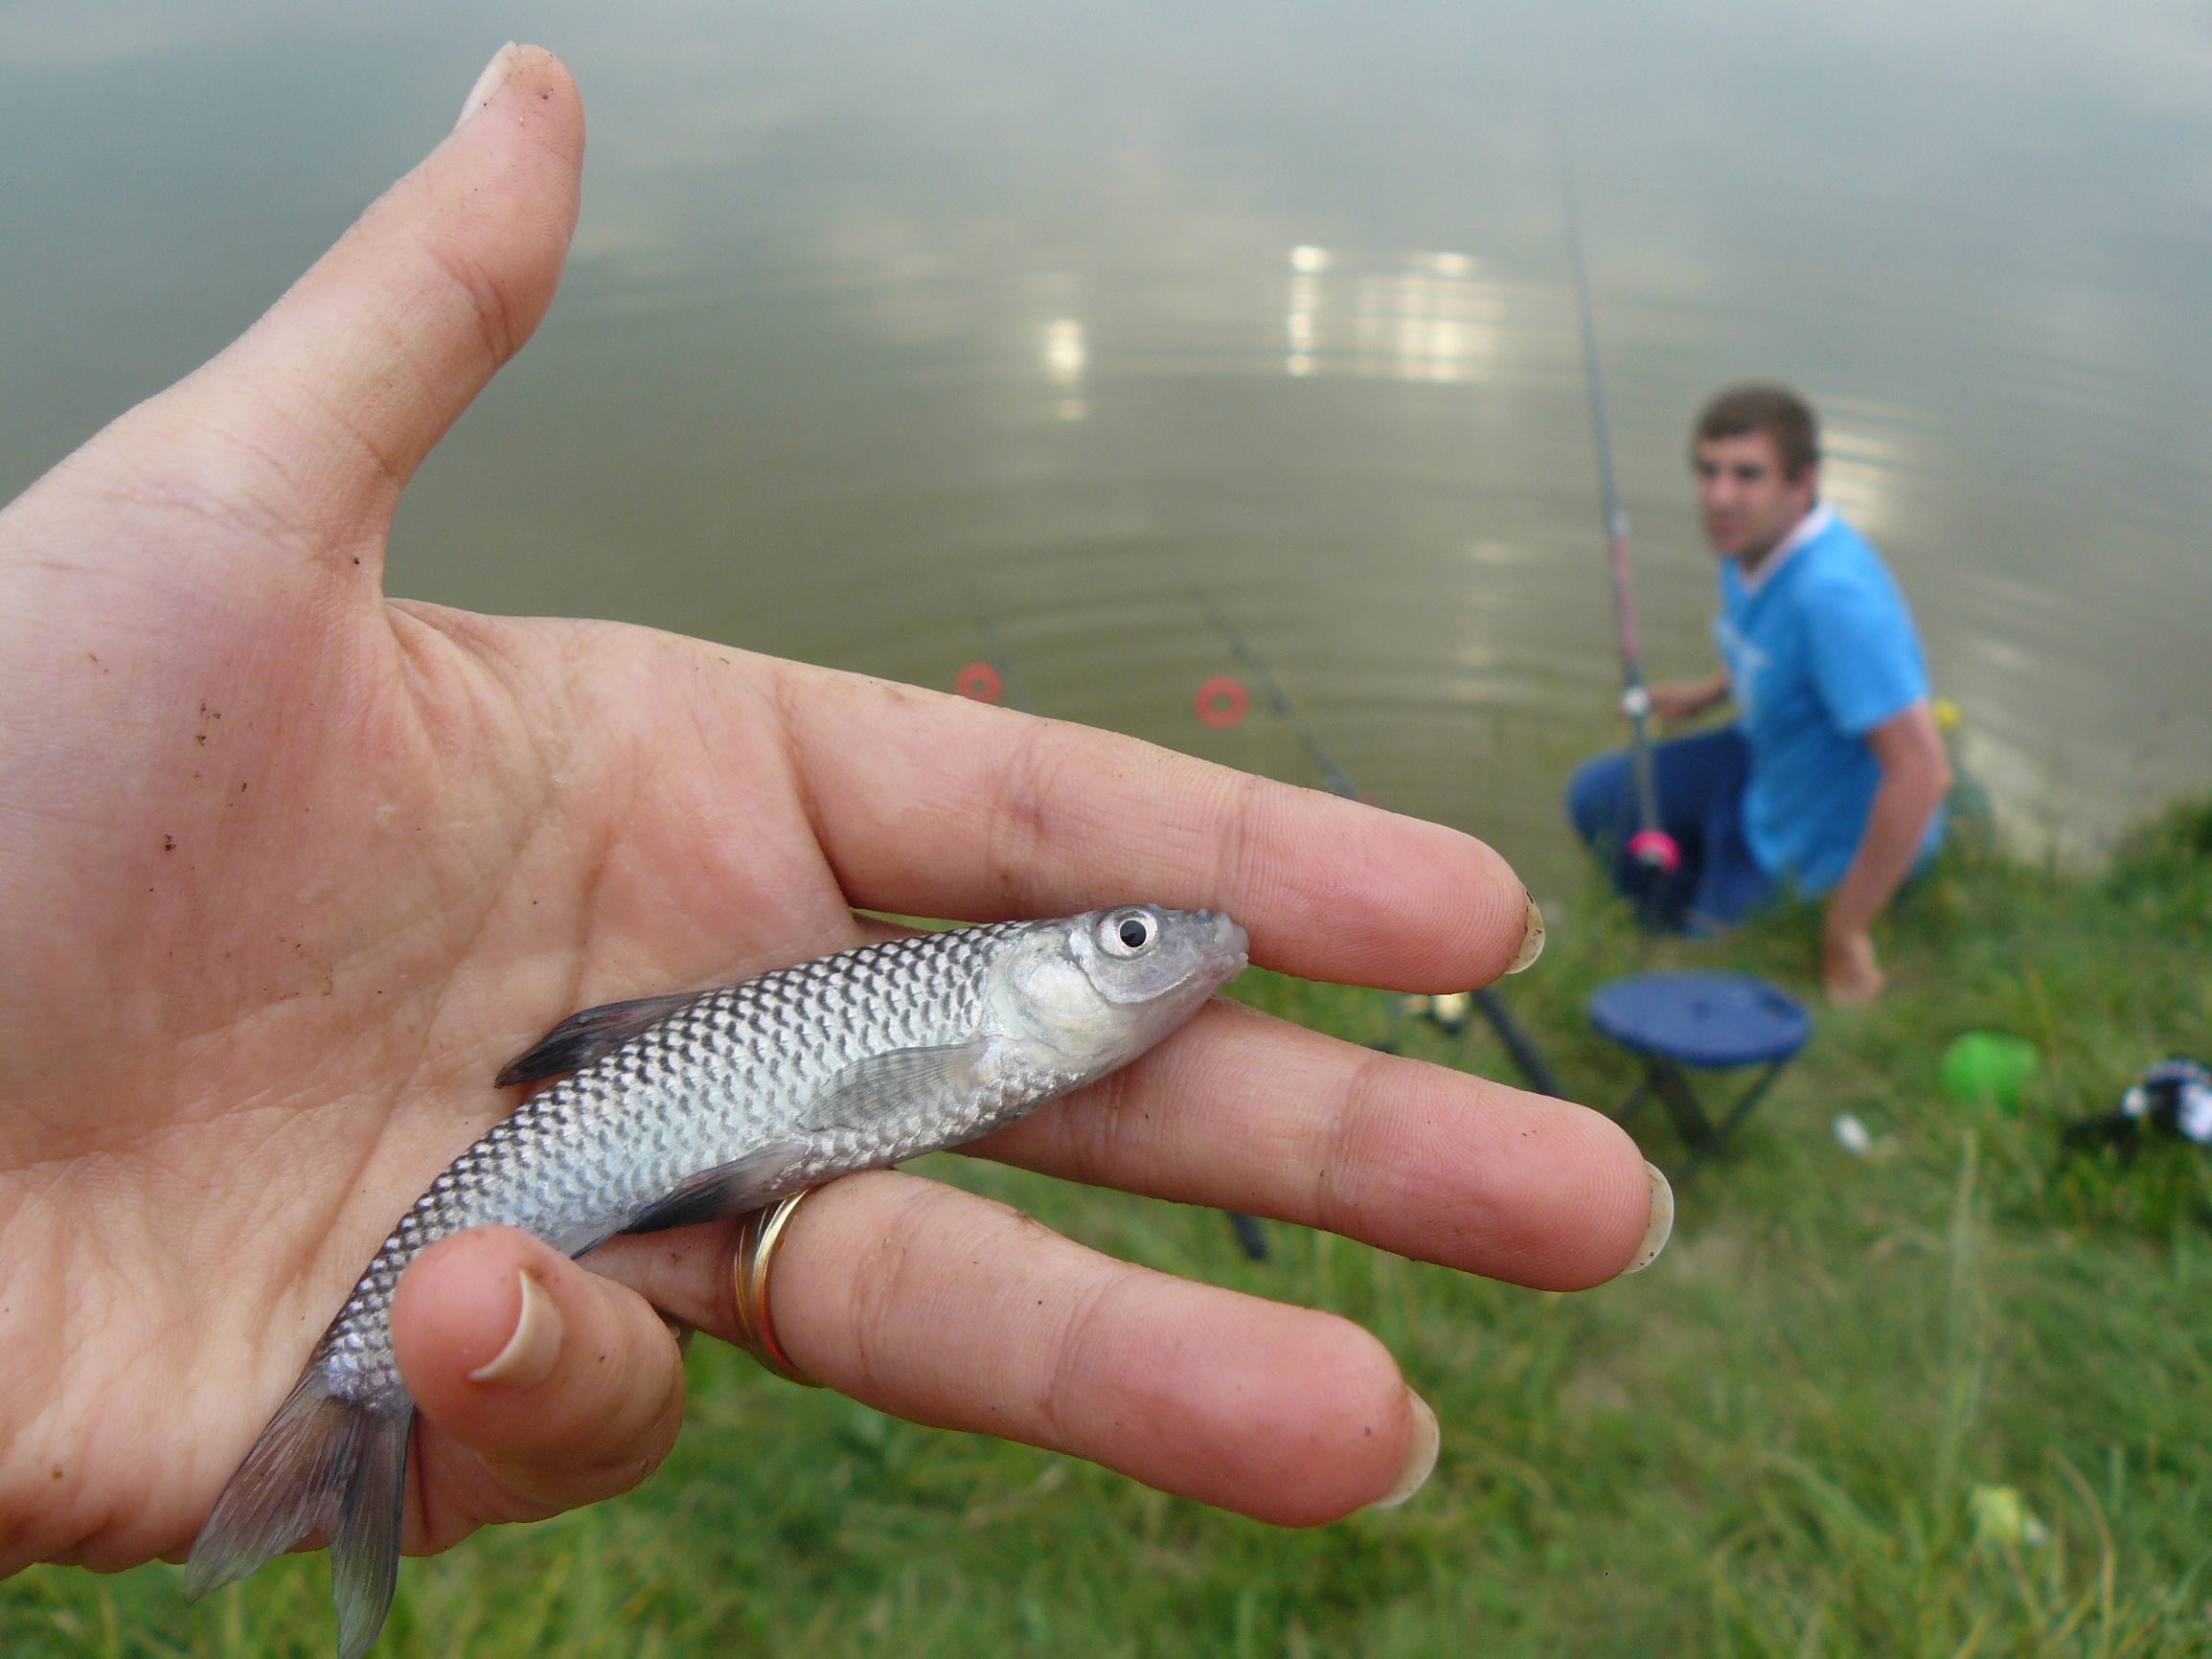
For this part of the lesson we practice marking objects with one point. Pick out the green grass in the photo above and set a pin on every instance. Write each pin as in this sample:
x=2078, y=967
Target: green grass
x=1770, y=1444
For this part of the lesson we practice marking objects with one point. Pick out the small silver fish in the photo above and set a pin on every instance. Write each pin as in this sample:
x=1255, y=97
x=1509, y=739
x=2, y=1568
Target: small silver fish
x=677, y=1109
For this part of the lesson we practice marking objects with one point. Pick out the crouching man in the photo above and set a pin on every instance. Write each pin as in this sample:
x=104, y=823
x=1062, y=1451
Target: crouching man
x=1831, y=780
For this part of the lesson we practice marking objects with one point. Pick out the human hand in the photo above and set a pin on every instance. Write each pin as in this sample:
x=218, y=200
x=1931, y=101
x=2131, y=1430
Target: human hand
x=288, y=870
x=1848, y=970
x=1680, y=700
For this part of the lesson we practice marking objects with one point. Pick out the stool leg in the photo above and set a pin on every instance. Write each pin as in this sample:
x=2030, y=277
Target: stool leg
x=1751, y=1098
x=1636, y=1098
x=1676, y=1094
x=1714, y=1138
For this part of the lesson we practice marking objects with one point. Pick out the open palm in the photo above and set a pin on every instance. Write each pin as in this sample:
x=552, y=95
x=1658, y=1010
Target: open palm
x=288, y=870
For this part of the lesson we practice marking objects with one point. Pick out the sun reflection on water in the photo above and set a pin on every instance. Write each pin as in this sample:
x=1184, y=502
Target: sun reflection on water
x=1425, y=316
x=1066, y=355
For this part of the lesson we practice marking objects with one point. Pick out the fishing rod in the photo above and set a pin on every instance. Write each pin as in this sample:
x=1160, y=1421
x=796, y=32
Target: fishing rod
x=993, y=680
x=1650, y=844
x=1516, y=1042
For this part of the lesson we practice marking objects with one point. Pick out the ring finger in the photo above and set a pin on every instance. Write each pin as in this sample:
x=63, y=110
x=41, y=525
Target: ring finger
x=952, y=1311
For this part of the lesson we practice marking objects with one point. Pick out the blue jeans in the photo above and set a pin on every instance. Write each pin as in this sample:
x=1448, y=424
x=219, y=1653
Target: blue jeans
x=1700, y=783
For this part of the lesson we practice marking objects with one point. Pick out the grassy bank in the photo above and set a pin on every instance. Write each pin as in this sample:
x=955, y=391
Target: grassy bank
x=1951, y=1397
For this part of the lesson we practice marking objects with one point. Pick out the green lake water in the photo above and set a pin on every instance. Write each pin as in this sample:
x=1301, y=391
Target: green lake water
x=892, y=326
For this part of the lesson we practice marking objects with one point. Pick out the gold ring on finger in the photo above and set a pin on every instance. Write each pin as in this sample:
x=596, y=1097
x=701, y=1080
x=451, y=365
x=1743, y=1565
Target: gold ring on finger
x=758, y=1232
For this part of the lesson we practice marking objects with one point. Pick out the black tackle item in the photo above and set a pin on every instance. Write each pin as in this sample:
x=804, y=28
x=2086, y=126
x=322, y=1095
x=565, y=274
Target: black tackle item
x=2174, y=1097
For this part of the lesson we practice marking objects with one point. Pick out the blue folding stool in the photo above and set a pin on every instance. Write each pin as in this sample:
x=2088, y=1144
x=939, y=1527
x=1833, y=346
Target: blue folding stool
x=1713, y=1022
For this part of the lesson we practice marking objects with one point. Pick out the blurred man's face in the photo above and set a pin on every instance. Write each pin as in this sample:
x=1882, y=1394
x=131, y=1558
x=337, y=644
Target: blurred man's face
x=1749, y=504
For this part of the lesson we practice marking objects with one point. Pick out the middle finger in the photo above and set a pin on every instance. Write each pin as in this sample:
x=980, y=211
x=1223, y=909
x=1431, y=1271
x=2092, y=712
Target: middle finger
x=1247, y=1112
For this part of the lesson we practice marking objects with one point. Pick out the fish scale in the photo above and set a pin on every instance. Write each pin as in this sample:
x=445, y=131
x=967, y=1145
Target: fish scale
x=769, y=1041
x=677, y=1109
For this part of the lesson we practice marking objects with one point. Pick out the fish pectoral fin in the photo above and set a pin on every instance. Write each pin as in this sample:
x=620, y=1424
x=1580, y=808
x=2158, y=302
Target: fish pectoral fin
x=727, y=1189
x=863, y=1093
x=868, y=1091
x=584, y=1037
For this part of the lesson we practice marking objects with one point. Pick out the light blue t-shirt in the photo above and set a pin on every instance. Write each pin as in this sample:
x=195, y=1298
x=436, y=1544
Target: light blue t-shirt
x=1821, y=649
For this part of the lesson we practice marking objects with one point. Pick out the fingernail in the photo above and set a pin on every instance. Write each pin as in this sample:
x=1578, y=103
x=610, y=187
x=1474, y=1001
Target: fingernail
x=530, y=1353
x=1531, y=939
x=1660, y=1226
x=487, y=87
x=1420, y=1447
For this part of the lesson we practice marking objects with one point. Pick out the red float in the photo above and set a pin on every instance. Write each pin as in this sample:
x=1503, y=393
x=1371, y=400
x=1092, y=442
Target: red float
x=980, y=681
x=1220, y=702
x=1656, y=849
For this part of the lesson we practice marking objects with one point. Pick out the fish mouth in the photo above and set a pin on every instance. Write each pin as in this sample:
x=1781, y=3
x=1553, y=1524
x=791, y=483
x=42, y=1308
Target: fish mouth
x=1229, y=947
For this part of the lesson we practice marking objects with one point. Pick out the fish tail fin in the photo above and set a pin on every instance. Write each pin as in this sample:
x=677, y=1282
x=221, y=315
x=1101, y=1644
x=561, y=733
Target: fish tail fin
x=324, y=1464
x=365, y=1548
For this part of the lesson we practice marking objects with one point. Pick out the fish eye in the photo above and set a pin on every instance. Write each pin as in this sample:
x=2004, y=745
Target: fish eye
x=1126, y=934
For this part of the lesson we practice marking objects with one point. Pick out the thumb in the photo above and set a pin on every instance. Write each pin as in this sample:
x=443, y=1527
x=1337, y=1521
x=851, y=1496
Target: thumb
x=546, y=1386
x=325, y=407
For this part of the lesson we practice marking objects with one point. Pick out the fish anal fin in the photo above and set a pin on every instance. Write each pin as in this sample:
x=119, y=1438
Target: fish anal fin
x=584, y=1037
x=729, y=1188
x=888, y=1084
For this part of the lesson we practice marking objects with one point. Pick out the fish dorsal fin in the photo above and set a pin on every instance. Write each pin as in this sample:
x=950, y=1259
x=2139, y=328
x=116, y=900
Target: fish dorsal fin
x=729, y=1188
x=904, y=1080
x=584, y=1037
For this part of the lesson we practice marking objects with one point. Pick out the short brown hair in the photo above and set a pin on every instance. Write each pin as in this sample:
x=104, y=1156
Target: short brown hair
x=1764, y=406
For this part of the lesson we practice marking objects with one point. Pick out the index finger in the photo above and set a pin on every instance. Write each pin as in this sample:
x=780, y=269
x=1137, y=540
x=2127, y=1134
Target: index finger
x=932, y=805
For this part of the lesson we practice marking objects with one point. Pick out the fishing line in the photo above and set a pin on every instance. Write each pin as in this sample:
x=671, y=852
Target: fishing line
x=1221, y=702
x=1516, y=1042
x=992, y=680
x=1338, y=784
x=997, y=678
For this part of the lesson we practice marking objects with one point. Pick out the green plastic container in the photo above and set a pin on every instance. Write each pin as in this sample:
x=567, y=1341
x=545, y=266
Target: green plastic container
x=1987, y=1066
